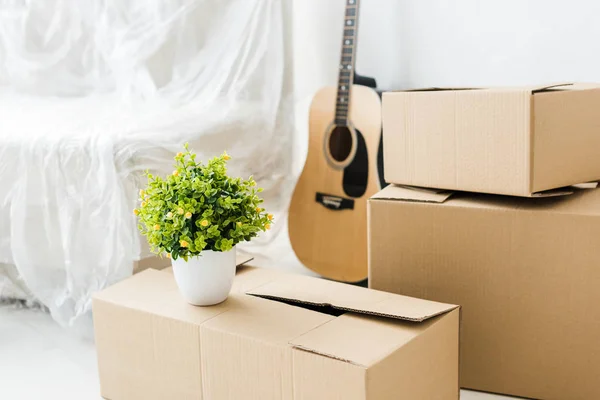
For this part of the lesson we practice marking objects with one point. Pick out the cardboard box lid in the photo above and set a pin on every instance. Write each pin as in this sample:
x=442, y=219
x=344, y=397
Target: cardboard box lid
x=528, y=88
x=540, y=88
x=264, y=320
x=153, y=294
x=355, y=337
x=323, y=293
x=583, y=199
x=408, y=193
x=289, y=310
x=566, y=86
x=156, y=292
x=425, y=195
x=361, y=340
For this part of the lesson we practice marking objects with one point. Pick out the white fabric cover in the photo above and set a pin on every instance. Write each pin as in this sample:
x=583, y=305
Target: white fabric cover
x=92, y=93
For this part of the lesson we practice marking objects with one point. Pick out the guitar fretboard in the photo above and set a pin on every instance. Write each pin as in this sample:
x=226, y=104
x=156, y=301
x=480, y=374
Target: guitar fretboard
x=347, y=61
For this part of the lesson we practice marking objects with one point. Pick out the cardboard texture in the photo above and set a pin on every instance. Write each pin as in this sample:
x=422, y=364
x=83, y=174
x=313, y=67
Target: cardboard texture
x=514, y=141
x=291, y=337
x=525, y=272
x=153, y=262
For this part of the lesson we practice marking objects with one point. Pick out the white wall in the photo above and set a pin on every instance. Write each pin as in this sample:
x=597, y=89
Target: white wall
x=492, y=42
x=318, y=37
x=449, y=42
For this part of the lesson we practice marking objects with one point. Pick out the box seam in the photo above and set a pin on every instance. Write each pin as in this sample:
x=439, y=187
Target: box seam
x=531, y=143
x=327, y=355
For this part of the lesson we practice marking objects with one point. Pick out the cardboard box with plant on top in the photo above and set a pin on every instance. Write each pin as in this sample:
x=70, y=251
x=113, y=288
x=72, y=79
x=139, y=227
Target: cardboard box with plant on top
x=278, y=336
x=196, y=216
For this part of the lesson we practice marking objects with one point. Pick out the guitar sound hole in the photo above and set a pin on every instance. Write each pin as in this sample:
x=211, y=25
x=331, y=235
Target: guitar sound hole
x=340, y=143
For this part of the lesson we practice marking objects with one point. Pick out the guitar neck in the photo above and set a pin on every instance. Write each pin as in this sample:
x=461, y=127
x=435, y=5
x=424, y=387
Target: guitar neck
x=347, y=62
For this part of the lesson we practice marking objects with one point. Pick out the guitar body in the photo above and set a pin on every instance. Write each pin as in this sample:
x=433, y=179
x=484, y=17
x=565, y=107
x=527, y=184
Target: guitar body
x=328, y=212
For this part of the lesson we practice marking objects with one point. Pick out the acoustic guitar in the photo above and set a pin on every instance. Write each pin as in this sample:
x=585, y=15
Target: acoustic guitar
x=328, y=211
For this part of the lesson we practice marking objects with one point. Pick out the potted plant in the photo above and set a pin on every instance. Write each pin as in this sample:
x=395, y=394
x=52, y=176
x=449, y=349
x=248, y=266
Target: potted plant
x=196, y=216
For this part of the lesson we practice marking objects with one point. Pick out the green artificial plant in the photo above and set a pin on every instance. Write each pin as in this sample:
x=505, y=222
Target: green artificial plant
x=199, y=207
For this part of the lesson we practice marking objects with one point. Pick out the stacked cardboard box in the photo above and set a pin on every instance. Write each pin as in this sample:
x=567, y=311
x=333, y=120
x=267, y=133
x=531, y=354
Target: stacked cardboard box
x=526, y=270
x=278, y=336
x=513, y=141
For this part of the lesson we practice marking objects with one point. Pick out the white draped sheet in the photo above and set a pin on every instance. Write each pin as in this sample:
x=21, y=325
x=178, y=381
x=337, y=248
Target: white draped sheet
x=93, y=93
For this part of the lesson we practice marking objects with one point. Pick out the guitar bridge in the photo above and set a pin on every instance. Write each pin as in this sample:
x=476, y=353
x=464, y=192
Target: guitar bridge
x=334, y=202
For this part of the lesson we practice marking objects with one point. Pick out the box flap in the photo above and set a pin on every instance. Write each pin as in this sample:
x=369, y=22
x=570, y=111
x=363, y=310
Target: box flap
x=241, y=259
x=577, y=86
x=431, y=89
x=440, y=89
x=585, y=86
x=554, y=192
x=360, y=340
x=156, y=292
x=541, y=88
x=260, y=319
x=532, y=88
x=323, y=293
x=587, y=185
x=411, y=193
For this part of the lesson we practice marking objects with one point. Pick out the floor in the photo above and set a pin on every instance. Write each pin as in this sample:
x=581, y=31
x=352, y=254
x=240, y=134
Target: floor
x=39, y=360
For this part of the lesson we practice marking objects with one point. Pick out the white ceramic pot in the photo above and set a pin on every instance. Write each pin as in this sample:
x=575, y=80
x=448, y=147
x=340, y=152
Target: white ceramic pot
x=206, y=279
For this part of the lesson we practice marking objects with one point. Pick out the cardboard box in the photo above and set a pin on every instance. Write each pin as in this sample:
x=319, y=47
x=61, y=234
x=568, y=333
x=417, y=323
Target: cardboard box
x=514, y=141
x=278, y=336
x=526, y=273
x=153, y=262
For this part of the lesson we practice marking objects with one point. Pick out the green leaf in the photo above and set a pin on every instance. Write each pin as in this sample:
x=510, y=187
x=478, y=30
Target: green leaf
x=209, y=194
